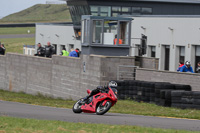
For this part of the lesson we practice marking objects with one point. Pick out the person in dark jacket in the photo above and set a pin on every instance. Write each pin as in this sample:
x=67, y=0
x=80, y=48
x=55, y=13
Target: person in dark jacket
x=2, y=49
x=49, y=50
x=73, y=53
x=40, y=51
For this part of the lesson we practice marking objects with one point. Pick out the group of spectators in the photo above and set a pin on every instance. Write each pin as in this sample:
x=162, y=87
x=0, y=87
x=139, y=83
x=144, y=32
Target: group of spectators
x=187, y=67
x=2, y=49
x=49, y=50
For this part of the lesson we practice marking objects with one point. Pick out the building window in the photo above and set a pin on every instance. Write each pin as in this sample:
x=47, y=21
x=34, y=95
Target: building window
x=85, y=31
x=146, y=10
x=136, y=10
x=97, y=31
x=153, y=51
x=101, y=11
x=167, y=57
x=182, y=54
x=197, y=55
x=110, y=30
x=124, y=34
x=116, y=9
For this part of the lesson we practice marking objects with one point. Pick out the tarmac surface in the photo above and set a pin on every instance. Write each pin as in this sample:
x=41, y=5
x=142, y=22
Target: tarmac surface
x=21, y=110
x=17, y=36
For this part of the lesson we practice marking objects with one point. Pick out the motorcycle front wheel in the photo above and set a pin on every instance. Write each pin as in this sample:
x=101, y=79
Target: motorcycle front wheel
x=103, y=109
x=77, y=107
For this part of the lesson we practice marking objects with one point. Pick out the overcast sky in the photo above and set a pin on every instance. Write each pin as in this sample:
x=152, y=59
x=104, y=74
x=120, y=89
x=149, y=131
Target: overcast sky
x=11, y=6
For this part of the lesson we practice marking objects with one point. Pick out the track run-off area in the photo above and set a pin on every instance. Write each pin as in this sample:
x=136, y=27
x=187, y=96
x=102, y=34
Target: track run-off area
x=22, y=110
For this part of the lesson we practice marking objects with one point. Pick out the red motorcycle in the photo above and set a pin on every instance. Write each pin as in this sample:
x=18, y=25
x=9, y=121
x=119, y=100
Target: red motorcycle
x=99, y=103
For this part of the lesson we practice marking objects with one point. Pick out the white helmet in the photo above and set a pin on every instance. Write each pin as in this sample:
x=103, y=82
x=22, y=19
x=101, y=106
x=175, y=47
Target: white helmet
x=187, y=63
x=112, y=84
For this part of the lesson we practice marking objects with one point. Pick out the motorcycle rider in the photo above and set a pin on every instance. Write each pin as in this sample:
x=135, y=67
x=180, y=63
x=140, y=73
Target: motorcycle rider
x=112, y=84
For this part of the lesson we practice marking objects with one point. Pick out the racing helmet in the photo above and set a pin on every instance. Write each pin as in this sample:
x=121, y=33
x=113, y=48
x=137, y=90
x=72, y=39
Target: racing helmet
x=112, y=84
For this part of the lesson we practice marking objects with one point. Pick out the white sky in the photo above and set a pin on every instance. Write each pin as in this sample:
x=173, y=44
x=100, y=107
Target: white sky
x=12, y=6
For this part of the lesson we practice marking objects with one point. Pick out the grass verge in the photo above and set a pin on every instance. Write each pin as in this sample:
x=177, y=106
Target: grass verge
x=17, y=30
x=15, y=45
x=122, y=106
x=19, y=125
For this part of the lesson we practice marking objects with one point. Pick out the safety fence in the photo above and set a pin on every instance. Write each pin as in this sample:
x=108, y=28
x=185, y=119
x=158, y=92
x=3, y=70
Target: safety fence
x=160, y=93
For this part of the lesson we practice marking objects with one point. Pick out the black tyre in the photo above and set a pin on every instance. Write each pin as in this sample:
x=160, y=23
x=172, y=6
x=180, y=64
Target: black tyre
x=103, y=109
x=77, y=107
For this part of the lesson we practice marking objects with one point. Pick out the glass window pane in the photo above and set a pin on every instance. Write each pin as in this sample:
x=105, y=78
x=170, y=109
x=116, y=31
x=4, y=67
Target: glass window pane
x=104, y=14
x=110, y=30
x=126, y=9
x=103, y=9
x=97, y=31
x=197, y=50
x=124, y=32
x=153, y=51
x=83, y=31
x=136, y=10
x=115, y=14
x=94, y=8
x=146, y=10
x=94, y=13
x=116, y=8
x=182, y=51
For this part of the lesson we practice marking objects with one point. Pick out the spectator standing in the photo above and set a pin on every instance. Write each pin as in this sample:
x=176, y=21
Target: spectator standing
x=77, y=51
x=198, y=67
x=186, y=68
x=73, y=53
x=64, y=52
x=40, y=51
x=180, y=65
x=2, y=49
x=49, y=50
x=115, y=40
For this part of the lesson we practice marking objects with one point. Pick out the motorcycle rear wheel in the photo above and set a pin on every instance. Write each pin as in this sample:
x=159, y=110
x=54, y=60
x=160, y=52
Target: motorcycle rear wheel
x=103, y=109
x=77, y=107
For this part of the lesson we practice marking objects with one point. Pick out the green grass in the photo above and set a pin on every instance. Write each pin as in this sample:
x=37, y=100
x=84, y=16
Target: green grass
x=40, y=13
x=15, y=45
x=122, y=106
x=19, y=125
x=17, y=30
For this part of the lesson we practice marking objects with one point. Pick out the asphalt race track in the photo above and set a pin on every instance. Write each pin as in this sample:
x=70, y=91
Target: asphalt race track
x=15, y=109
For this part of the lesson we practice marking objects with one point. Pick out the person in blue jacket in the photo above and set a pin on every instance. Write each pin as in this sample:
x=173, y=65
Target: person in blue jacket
x=73, y=53
x=187, y=68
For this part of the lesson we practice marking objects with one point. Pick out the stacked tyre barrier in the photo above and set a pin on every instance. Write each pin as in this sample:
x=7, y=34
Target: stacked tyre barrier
x=160, y=93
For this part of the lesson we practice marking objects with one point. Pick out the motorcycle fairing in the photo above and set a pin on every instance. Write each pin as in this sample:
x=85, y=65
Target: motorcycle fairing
x=91, y=107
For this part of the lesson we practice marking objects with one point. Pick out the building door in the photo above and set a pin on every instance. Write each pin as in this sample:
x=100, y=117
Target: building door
x=197, y=56
x=167, y=57
x=55, y=49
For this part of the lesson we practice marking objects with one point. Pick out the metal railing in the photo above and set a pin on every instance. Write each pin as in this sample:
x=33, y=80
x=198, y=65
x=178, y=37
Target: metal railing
x=126, y=72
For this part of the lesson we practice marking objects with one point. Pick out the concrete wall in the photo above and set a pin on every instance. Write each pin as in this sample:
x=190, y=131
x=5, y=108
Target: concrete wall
x=166, y=76
x=64, y=77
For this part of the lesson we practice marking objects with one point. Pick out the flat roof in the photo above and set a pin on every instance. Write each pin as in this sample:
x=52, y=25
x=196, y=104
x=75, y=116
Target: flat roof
x=161, y=1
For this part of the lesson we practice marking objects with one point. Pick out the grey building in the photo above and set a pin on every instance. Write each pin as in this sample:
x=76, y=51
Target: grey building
x=141, y=18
